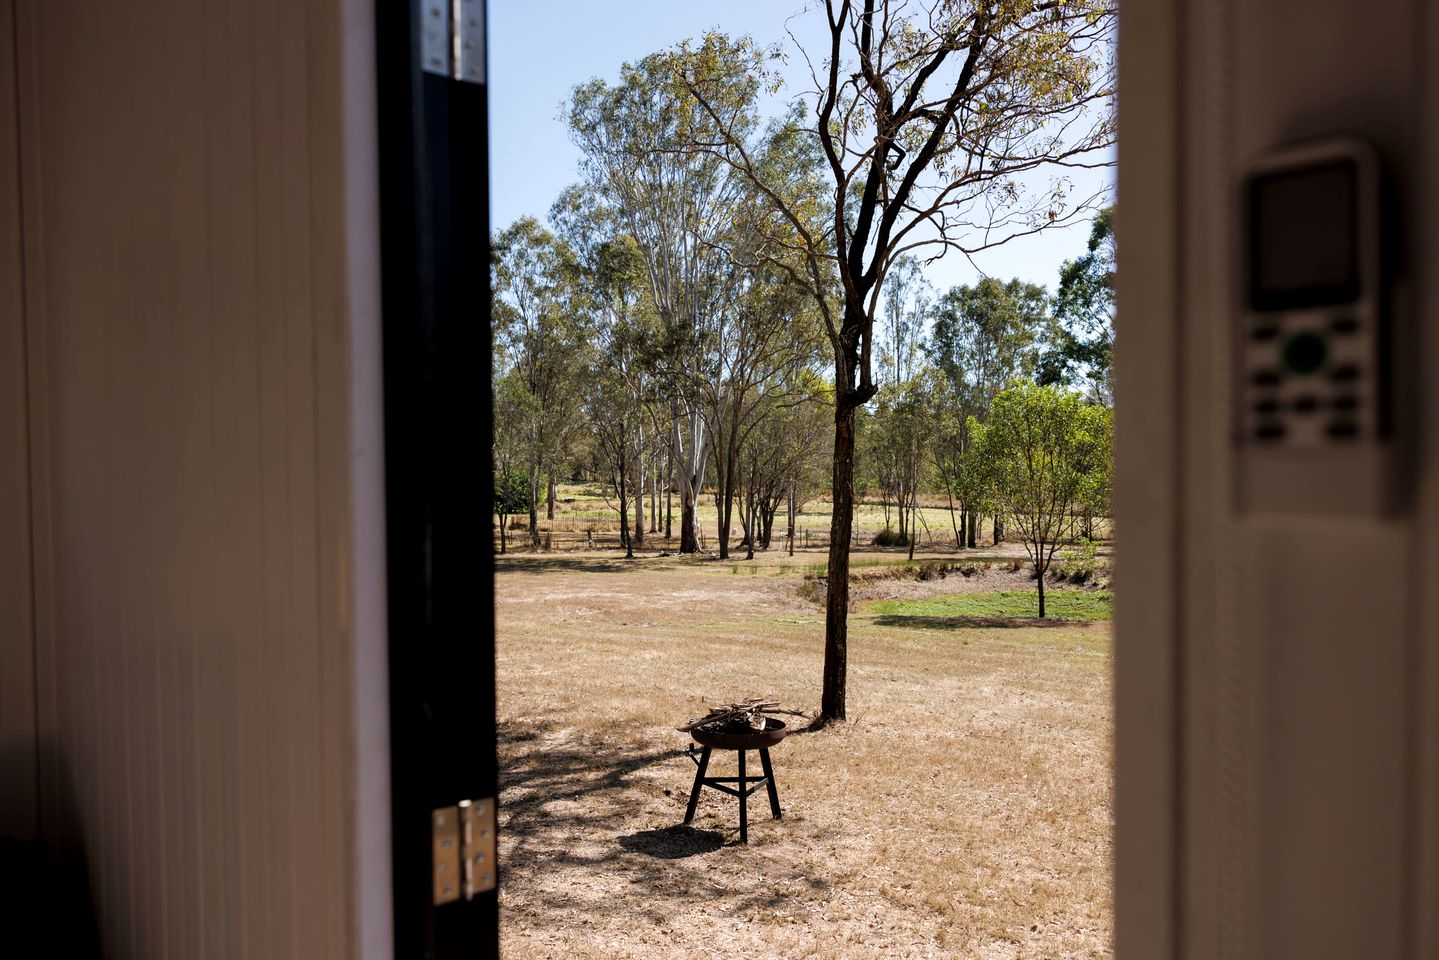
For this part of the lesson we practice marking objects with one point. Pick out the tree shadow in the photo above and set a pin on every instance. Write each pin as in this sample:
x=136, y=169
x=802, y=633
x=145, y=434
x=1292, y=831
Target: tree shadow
x=955, y=623
x=673, y=843
x=583, y=804
x=536, y=564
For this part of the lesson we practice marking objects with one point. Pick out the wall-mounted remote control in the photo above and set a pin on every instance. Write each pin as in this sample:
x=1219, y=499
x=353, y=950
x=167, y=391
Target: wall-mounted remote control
x=1313, y=378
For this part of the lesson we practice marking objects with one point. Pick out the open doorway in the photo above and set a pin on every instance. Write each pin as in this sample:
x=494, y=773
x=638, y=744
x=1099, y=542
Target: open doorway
x=706, y=403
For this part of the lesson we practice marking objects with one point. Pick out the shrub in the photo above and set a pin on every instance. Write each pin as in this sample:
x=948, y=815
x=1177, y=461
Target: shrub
x=890, y=538
x=1077, y=562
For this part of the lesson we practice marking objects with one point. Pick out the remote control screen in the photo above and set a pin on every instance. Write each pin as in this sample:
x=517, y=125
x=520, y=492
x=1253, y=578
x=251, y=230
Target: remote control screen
x=1304, y=252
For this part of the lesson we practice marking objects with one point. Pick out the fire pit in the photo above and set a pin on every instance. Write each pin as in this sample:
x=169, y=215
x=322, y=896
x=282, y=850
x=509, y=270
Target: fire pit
x=733, y=728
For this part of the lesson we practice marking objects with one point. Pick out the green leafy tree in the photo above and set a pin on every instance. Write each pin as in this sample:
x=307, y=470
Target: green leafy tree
x=513, y=411
x=984, y=338
x=1041, y=450
x=538, y=333
x=895, y=439
x=1083, y=345
x=512, y=495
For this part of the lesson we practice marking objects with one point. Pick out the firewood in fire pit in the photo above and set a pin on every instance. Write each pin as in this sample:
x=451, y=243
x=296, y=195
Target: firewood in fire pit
x=744, y=717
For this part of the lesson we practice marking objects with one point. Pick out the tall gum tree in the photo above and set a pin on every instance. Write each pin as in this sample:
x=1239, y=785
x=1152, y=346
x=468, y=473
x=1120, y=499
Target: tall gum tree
x=931, y=121
x=538, y=331
x=675, y=204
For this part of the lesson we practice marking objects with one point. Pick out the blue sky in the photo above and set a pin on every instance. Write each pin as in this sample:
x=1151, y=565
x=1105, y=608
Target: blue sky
x=540, y=49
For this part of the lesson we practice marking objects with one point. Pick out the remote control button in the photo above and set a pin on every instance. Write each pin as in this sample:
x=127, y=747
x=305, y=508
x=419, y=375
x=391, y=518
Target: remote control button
x=1265, y=378
x=1342, y=429
x=1345, y=402
x=1344, y=372
x=1266, y=407
x=1305, y=353
x=1269, y=431
x=1267, y=331
x=1344, y=325
x=1305, y=404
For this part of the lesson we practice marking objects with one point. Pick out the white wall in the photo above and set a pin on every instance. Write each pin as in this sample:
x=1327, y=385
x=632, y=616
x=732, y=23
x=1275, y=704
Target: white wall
x=1277, y=677
x=202, y=401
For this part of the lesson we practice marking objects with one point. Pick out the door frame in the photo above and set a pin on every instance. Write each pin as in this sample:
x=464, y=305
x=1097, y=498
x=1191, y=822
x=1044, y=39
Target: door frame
x=434, y=216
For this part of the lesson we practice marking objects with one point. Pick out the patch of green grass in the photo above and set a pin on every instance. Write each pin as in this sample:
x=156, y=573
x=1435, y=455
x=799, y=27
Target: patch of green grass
x=859, y=562
x=1058, y=605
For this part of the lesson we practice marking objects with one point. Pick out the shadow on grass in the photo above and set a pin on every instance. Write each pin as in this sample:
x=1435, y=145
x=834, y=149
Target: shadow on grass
x=539, y=563
x=673, y=843
x=954, y=623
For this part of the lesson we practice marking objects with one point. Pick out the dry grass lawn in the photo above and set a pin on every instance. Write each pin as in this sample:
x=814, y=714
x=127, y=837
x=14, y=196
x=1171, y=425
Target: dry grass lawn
x=965, y=811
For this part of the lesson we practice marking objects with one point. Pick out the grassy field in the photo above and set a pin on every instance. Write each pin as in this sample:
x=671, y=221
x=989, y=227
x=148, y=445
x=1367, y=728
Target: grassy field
x=964, y=811
x=1001, y=605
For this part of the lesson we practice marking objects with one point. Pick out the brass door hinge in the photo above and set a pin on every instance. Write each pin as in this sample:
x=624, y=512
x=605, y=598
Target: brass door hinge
x=464, y=849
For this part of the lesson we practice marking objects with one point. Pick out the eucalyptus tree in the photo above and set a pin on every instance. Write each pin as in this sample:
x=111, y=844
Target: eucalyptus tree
x=897, y=441
x=512, y=412
x=933, y=121
x=1084, y=314
x=606, y=403
x=674, y=203
x=767, y=338
x=538, y=329
x=1045, y=450
x=983, y=338
x=907, y=296
x=947, y=438
x=780, y=464
x=609, y=267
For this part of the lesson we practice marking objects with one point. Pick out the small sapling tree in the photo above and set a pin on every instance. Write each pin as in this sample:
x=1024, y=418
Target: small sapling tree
x=1042, y=447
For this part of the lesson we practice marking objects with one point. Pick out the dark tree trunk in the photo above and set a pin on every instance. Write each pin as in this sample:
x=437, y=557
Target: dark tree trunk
x=836, y=612
x=669, y=498
x=1040, y=577
x=752, y=526
x=724, y=474
x=688, y=542
x=625, y=519
x=913, y=523
x=502, y=533
x=639, y=535
x=973, y=534
x=791, y=518
x=534, y=505
x=550, y=500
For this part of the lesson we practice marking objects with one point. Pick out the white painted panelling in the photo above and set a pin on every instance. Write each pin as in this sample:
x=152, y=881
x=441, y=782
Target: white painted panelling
x=202, y=320
x=1305, y=678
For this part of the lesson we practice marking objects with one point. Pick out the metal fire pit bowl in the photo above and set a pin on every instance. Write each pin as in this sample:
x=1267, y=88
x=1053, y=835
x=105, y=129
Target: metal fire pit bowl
x=774, y=731
x=741, y=786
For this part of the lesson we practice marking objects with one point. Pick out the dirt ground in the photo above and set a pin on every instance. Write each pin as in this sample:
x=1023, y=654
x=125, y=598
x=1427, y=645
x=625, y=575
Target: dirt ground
x=964, y=811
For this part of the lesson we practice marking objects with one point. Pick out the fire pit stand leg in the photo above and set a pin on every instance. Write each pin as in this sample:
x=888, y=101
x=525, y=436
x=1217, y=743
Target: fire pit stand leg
x=769, y=782
x=704, y=763
x=743, y=803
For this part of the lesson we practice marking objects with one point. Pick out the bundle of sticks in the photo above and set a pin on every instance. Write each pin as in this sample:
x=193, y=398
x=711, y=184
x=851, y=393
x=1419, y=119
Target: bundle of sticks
x=745, y=715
